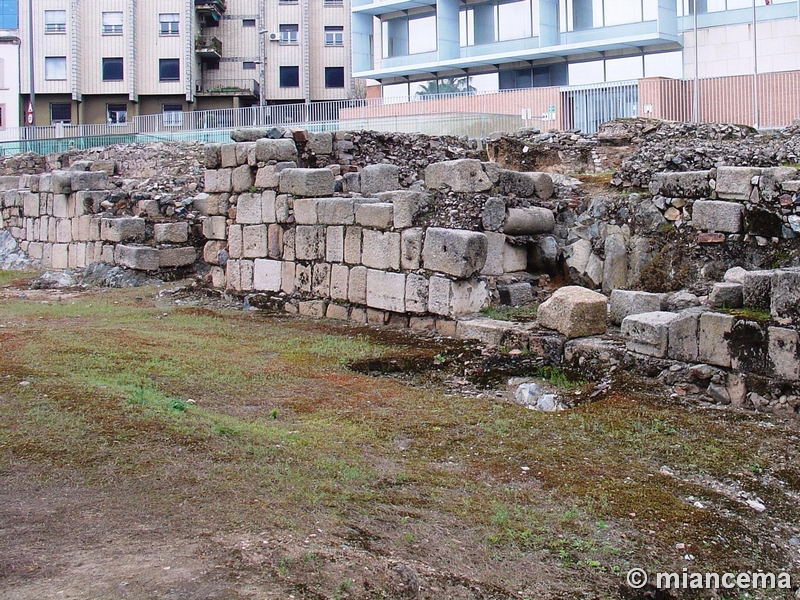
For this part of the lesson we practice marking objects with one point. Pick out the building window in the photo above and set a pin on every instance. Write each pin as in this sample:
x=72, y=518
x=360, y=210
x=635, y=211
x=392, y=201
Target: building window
x=334, y=36
x=116, y=114
x=168, y=24
x=55, y=21
x=337, y=3
x=287, y=1
x=290, y=77
x=248, y=22
x=9, y=14
x=288, y=34
x=55, y=68
x=169, y=69
x=409, y=35
x=112, y=23
x=173, y=115
x=334, y=77
x=112, y=69
x=579, y=15
x=211, y=64
x=60, y=112
x=249, y=65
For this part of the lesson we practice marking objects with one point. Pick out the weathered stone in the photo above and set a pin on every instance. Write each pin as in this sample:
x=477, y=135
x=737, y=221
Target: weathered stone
x=574, y=311
x=254, y=241
x=785, y=305
x=307, y=182
x=516, y=294
x=278, y=150
x=302, y=278
x=386, y=291
x=416, y=296
x=211, y=154
x=321, y=280
x=268, y=176
x=748, y=347
x=525, y=185
x=685, y=184
x=717, y=216
x=228, y=155
x=122, y=229
x=515, y=258
x=615, y=265
x=314, y=309
x=339, y=281
x=352, y=245
x=757, y=289
x=648, y=333
x=454, y=252
x=242, y=179
x=683, y=341
x=212, y=250
x=735, y=275
x=378, y=215
x=487, y=331
x=543, y=255
x=305, y=211
x=288, y=276
x=87, y=180
x=235, y=241
x=210, y=204
x=171, y=233
x=493, y=216
x=335, y=211
x=357, y=285
x=217, y=181
x=249, y=134
x=309, y=242
x=141, y=258
x=381, y=250
x=713, y=338
x=176, y=257
x=735, y=183
x=334, y=244
x=725, y=295
x=379, y=178
x=464, y=175
x=411, y=249
x=468, y=297
x=407, y=205
x=625, y=303
x=214, y=228
x=529, y=221
x=320, y=143
x=784, y=353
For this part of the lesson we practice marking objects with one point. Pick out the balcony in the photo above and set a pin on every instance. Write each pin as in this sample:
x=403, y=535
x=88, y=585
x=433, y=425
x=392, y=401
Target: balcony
x=207, y=47
x=230, y=87
x=210, y=10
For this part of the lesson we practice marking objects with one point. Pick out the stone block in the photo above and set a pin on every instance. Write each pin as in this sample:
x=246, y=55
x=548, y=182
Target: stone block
x=785, y=293
x=357, y=313
x=376, y=317
x=87, y=180
x=9, y=182
x=59, y=256
x=314, y=309
x=235, y=241
x=784, y=353
x=516, y=294
x=379, y=215
x=214, y=228
x=320, y=143
x=495, y=244
x=246, y=275
x=211, y=251
x=302, y=278
x=307, y=182
x=757, y=289
x=575, y=312
x=309, y=243
x=683, y=336
x=515, y=258
x=268, y=207
x=525, y=185
x=228, y=154
x=289, y=236
x=248, y=209
x=61, y=206
x=386, y=291
x=267, y=275
x=269, y=176
x=287, y=277
x=735, y=183
x=468, y=297
x=254, y=241
x=305, y=211
x=529, y=221
x=725, y=295
x=717, y=216
x=321, y=280
x=487, y=331
x=407, y=205
x=242, y=179
x=30, y=204
x=357, y=285
x=416, y=296
x=122, y=229
x=171, y=233
x=615, y=264
x=463, y=175
x=274, y=241
x=625, y=303
x=685, y=184
x=63, y=231
x=454, y=252
x=176, y=257
x=339, y=282
x=352, y=245
x=217, y=181
x=648, y=333
x=212, y=154
x=338, y=312
x=335, y=211
x=141, y=258
x=280, y=150
x=334, y=244
x=411, y=249
x=379, y=178
x=233, y=277
x=91, y=201
x=381, y=250
x=713, y=338
x=244, y=150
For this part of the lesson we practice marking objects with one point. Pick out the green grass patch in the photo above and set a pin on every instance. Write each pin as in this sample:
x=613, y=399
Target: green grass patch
x=749, y=314
x=510, y=313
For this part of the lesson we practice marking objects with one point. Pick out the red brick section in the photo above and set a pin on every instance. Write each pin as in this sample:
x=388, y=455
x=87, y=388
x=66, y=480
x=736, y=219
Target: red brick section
x=710, y=238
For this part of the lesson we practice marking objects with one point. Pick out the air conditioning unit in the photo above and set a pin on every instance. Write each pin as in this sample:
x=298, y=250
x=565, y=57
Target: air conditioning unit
x=274, y=37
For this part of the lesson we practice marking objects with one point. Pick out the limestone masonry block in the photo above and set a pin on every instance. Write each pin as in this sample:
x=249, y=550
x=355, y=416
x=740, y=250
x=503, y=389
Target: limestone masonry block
x=59, y=258
x=467, y=297
x=141, y=258
x=574, y=311
x=122, y=229
x=307, y=182
x=718, y=216
x=305, y=211
x=785, y=305
x=321, y=280
x=211, y=251
x=214, y=228
x=9, y=182
x=30, y=205
x=515, y=258
x=254, y=241
x=784, y=353
x=407, y=205
x=249, y=209
x=233, y=275
x=287, y=276
x=269, y=175
x=217, y=181
x=228, y=154
x=337, y=311
x=246, y=273
x=486, y=331
x=757, y=289
x=686, y=184
x=314, y=309
x=529, y=221
x=274, y=241
x=726, y=295
x=246, y=153
x=381, y=250
x=379, y=215
x=61, y=206
x=235, y=241
x=212, y=156
x=625, y=303
x=648, y=333
x=242, y=179
x=339, y=281
x=64, y=231
x=352, y=245
x=176, y=257
x=416, y=294
x=411, y=248
x=267, y=275
x=463, y=175
x=268, y=207
x=357, y=285
x=525, y=185
x=171, y=233
x=735, y=183
x=335, y=211
x=386, y=291
x=289, y=237
x=713, y=338
x=280, y=150
x=309, y=242
x=379, y=178
x=320, y=143
x=454, y=252
x=87, y=180
x=334, y=244
x=91, y=200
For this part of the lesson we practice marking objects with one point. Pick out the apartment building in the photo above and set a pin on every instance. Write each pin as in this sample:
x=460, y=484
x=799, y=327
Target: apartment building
x=105, y=61
x=423, y=46
x=10, y=110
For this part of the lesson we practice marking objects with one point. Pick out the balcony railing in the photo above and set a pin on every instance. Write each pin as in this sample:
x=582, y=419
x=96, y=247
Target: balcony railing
x=210, y=8
x=208, y=46
x=230, y=87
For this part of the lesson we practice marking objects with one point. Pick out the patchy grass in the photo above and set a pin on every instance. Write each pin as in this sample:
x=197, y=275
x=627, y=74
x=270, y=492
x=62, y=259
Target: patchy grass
x=234, y=424
x=511, y=313
x=8, y=277
x=749, y=314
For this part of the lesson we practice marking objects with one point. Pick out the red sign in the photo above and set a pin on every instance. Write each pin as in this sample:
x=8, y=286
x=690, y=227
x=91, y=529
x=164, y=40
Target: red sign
x=29, y=114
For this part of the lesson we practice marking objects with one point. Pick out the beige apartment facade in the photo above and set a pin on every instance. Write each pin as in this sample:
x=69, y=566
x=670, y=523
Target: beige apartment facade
x=106, y=61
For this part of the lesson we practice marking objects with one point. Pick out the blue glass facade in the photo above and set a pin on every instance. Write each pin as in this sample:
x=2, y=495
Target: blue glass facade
x=9, y=14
